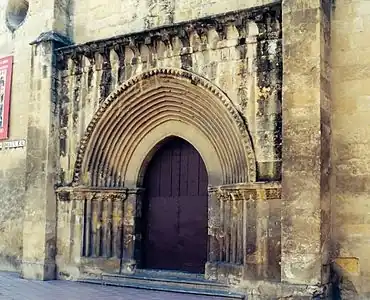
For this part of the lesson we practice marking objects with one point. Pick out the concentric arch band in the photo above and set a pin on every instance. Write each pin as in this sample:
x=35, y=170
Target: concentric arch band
x=150, y=99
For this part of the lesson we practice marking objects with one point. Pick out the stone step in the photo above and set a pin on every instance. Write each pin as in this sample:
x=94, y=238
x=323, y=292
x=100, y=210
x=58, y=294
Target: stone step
x=167, y=281
x=167, y=274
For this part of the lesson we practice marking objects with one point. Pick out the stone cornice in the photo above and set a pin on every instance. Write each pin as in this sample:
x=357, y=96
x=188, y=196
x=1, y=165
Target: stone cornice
x=83, y=189
x=267, y=18
x=52, y=36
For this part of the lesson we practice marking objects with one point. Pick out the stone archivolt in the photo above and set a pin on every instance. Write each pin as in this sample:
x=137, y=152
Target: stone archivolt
x=150, y=100
x=88, y=73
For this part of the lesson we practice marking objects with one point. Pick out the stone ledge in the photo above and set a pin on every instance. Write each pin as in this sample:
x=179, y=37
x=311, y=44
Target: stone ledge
x=261, y=15
x=279, y=290
x=52, y=36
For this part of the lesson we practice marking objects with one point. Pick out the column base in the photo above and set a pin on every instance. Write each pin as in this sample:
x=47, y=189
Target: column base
x=224, y=272
x=38, y=270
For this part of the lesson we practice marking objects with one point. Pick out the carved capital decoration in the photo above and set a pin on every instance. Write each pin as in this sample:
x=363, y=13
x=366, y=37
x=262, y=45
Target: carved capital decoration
x=247, y=191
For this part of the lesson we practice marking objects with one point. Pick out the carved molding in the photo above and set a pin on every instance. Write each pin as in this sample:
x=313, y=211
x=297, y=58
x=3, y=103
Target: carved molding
x=267, y=18
x=67, y=194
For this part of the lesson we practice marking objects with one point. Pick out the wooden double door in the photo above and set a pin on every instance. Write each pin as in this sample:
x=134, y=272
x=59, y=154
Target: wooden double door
x=175, y=210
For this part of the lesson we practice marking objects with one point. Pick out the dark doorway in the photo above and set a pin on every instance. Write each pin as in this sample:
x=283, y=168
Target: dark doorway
x=176, y=209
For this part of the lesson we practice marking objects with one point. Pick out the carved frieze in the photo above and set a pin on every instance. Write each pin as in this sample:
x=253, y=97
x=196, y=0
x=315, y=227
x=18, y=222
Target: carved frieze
x=268, y=20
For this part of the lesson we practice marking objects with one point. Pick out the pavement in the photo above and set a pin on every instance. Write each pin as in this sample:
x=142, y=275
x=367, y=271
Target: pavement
x=12, y=287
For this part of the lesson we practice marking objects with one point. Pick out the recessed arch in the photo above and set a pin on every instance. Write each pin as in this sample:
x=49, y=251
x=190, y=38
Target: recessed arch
x=152, y=106
x=16, y=12
x=144, y=152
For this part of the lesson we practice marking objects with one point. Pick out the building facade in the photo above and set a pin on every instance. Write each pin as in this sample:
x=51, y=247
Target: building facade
x=231, y=138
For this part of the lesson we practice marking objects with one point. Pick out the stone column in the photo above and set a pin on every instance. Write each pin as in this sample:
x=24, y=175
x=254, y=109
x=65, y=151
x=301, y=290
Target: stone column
x=306, y=138
x=214, y=234
x=133, y=229
x=267, y=112
x=39, y=233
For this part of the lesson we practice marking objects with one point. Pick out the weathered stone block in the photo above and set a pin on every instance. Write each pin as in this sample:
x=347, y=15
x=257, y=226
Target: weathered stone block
x=304, y=267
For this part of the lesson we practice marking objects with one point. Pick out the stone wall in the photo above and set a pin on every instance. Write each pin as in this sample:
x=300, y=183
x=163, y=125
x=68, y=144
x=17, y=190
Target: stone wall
x=351, y=144
x=6, y=41
x=69, y=17
x=349, y=122
x=239, y=53
x=12, y=171
x=305, y=209
x=41, y=15
x=104, y=21
x=104, y=226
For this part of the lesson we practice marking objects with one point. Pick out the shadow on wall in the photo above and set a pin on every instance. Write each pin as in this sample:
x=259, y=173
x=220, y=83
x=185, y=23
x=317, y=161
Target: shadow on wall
x=343, y=285
x=12, y=183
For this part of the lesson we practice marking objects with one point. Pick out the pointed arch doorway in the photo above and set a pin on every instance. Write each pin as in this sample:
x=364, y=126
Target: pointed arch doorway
x=175, y=209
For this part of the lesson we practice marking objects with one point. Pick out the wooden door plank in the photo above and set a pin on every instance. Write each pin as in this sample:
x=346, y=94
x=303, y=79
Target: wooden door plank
x=176, y=236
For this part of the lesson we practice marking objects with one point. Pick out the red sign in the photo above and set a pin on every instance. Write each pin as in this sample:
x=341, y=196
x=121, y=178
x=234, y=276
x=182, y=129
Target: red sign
x=6, y=68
